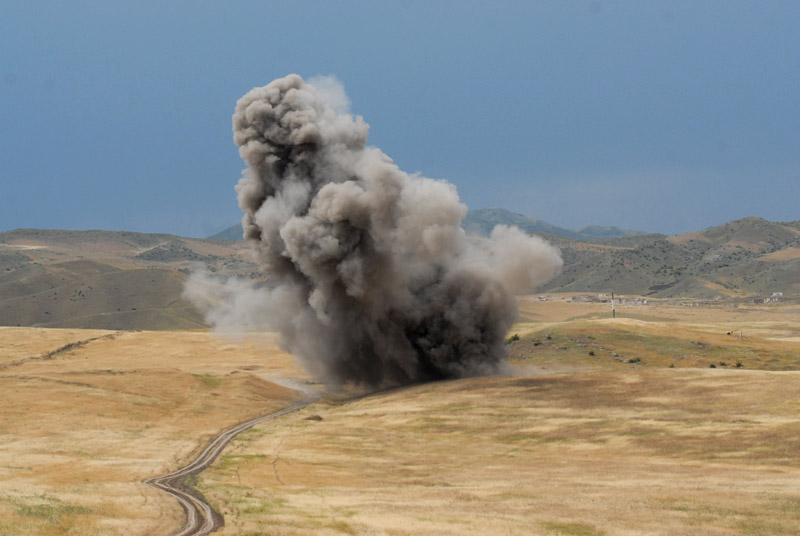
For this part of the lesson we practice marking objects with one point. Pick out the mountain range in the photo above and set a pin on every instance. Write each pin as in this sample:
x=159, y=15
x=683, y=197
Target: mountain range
x=481, y=222
x=124, y=280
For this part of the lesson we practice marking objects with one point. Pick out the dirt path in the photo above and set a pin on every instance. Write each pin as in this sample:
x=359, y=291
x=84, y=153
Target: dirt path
x=201, y=519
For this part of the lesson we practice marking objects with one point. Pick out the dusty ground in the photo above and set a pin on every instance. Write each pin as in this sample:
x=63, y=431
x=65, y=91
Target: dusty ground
x=615, y=452
x=611, y=447
x=576, y=444
x=82, y=426
x=560, y=335
x=729, y=314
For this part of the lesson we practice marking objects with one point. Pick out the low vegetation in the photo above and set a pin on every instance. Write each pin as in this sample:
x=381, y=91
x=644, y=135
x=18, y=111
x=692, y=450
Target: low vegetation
x=120, y=280
x=107, y=280
x=86, y=416
x=608, y=426
x=745, y=257
x=649, y=451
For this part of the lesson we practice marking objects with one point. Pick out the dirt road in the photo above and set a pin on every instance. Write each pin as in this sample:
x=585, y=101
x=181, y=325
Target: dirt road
x=201, y=519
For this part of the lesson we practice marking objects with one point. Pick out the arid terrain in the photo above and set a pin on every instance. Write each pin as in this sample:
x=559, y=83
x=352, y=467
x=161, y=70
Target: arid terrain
x=87, y=415
x=107, y=279
x=625, y=452
x=124, y=280
x=604, y=426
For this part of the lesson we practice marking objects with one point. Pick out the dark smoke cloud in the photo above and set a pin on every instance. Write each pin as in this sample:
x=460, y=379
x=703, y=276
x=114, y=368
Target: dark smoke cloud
x=373, y=280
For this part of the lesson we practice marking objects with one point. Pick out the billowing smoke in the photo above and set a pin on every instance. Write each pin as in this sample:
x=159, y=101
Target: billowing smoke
x=373, y=281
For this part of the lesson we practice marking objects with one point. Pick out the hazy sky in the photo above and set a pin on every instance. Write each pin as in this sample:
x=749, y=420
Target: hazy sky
x=661, y=116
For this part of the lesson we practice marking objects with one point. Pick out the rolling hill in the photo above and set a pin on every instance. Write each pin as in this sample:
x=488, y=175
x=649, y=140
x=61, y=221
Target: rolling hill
x=123, y=280
x=107, y=279
x=743, y=257
x=234, y=232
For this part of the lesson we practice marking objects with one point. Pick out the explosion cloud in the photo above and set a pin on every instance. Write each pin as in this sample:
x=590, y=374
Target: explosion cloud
x=373, y=281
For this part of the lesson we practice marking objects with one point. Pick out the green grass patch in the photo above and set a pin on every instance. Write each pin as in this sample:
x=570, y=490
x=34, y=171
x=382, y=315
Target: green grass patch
x=340, y=526
x=46, y=511
x=520, y=437
x=209, y=380
x=232, y=460
x=571, y=529
x=269, y=506
x=582, y=343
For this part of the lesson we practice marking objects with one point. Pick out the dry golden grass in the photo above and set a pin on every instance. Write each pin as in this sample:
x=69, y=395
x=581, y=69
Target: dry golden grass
x=22, y=343
x=723, y=312
x=82, y=429
x=567, y=335
x=613, y=447
x=576, y=444
x=782, y=255
x=614, y=452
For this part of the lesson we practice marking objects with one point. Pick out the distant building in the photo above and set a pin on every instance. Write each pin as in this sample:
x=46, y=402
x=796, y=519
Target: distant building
x=773, y=299
x=633, y=301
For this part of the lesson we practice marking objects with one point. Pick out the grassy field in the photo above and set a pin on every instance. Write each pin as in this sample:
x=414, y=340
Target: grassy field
x=85, y=416
x=577, y=444
x=609, y=426
x=611, y=452
x=558, y=334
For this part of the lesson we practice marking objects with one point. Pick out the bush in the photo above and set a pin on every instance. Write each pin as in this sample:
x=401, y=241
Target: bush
x=513, y=338
x=591, y=352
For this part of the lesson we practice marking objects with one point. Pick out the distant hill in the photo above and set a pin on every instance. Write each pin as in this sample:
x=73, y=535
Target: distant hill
x=742, y=257
x=481, y=222
x=106, y=279
x=122, y=280
x=594, y=232
x=234, y=232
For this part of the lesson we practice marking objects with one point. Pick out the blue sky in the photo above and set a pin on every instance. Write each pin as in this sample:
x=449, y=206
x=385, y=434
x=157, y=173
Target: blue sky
x=660, y=116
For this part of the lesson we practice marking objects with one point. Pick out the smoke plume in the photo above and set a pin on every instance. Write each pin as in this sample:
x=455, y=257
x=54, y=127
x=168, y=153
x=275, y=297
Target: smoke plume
x=372, y=279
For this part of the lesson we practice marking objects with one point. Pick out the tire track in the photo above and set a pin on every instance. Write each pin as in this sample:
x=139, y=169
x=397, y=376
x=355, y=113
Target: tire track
x=52, y=354
x=201, y=518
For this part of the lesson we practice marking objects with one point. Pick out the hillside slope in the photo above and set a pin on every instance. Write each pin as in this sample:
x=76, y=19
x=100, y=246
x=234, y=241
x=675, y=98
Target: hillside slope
x=742, y=257
x=234, y=232
x=107, y=279
x=121, y=280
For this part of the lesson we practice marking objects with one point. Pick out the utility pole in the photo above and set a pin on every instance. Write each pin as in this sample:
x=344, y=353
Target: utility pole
x=613, y=307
